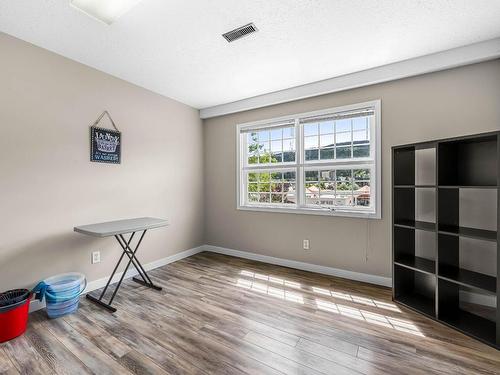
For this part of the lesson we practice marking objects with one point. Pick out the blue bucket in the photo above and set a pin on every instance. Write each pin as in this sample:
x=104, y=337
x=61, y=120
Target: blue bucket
x=62, y=293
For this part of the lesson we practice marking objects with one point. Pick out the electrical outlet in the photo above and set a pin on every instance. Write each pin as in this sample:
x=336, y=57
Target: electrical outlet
x=96, y=257
x=305, y=244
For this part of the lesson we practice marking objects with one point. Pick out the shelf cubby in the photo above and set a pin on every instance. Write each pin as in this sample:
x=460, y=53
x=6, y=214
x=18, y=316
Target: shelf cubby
x=476, y=320
x=468, y=161
x=447, y=192
x=451, y=268
x=480, y=234
x=408, y=255
x=415, y=290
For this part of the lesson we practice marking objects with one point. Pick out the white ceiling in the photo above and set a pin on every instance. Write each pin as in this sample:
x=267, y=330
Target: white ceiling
x=175, y=48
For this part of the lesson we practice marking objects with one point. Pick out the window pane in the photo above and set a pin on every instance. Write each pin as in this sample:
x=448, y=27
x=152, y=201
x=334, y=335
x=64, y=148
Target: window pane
x=253, y=197
x=289, y=176
x=289, y=145
x=344, y=152
x=327, y=175
x=276, y=176
x=276, y=133
x=264, y=177
x=326, y=140
x=265, y=158
x=344, y=179
x=276, y=198
x=253, y=147
x=310, y=142
x=312, y=154
x=341, y=188
x=252, y=177
x=343, y=139
x=343, y=126
x=326, y=127
x=360, y=123
x=276, y=187
x=290, y=195
x=343, y=198
x=344, y=188
x=362, y=185
x=264, y=148
x=268, y=146
x=252, y=138
x=276, y=146
x=360, y=136
x=311, y=176
x=362, y=200
x=312, y=187
x=289, y=132
x=327, y=195
x=253, y=187
x=264, y=198
x=327, y=153
x=263, y=136
x=312, y=193
x=328, y=185
x=362, y=151
x=276, y=150
x=253, y=159
x=361, y=174
x=288, y=157
x=289, y=150
x=310, y=129
x=264, y=187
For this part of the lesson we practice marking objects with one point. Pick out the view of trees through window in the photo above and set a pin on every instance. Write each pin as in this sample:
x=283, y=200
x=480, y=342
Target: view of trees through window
x=331, y=166
x=271, y=146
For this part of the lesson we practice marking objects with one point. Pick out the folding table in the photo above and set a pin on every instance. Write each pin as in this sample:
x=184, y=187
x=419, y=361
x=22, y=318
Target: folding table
x=118, y=229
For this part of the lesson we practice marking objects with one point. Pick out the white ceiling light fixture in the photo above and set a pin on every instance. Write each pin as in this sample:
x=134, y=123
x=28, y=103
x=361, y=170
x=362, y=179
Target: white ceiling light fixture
x=107, y=11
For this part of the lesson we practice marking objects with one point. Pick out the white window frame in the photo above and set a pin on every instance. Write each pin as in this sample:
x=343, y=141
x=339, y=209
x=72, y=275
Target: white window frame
x=300, y=166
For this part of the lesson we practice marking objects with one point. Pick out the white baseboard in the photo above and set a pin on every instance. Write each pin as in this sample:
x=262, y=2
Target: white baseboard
x=351, y=275
x=100, y=283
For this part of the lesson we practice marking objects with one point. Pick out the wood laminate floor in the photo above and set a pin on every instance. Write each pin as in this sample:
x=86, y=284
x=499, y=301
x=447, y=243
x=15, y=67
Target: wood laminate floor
x=225, y=315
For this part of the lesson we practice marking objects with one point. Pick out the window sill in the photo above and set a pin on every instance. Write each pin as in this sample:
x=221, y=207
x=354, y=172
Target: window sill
x=313, y=211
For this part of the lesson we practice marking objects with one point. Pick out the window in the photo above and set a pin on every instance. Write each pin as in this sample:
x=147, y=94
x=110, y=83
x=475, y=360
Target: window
x=324, y=162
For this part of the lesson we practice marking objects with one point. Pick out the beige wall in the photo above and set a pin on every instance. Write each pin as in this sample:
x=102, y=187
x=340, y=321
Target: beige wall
x=48, y=185
x=450, y=103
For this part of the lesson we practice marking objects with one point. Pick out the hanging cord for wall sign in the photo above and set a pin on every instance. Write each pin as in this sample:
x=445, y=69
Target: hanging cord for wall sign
x=100, y=118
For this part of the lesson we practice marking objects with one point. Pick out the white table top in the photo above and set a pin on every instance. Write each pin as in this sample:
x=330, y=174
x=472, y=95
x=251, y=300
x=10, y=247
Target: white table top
x=112, y=228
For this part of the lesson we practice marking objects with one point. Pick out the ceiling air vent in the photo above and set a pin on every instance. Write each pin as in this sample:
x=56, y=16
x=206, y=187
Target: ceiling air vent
x=240, y=32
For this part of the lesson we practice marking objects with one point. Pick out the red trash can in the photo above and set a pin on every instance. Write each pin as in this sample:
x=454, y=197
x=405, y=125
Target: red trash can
x=14, y=308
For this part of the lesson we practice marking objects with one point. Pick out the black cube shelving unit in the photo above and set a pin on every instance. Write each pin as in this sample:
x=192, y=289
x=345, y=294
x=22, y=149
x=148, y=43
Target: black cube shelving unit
x=445, y=213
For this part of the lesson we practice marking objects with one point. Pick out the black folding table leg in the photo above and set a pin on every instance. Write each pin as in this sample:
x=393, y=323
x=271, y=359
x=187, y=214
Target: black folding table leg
x=126, y=251
x=131, y=257
x=126, y=267
x=146, y=281
x=100, y=303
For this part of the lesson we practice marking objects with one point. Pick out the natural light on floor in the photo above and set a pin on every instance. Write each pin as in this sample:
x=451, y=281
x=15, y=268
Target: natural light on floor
x=357, y=299
x=259, y=283
x=272, y=279
x=271, y=290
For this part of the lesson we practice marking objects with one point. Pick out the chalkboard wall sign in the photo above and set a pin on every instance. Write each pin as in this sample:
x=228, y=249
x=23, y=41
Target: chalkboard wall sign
x=105, y=144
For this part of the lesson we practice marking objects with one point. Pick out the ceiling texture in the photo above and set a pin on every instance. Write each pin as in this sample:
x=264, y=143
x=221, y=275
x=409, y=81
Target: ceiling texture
x=175, y=47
